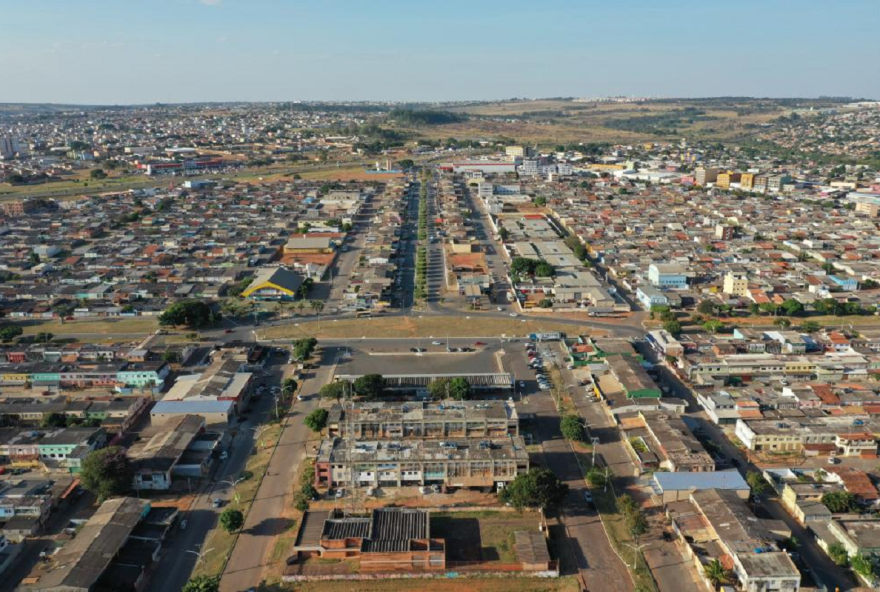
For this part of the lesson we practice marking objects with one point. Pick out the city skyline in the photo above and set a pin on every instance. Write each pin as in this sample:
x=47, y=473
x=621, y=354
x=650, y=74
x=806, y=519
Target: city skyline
x=179, y=51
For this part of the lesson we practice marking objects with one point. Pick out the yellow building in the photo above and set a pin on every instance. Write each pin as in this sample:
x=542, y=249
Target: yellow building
x=726, y=178
x=747, y=181
x=274, y=283
x=736, y=284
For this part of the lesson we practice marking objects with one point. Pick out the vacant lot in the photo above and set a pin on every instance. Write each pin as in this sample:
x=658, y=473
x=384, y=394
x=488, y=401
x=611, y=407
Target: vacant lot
x=110, y=327
x=404, y=327
x=481, y=537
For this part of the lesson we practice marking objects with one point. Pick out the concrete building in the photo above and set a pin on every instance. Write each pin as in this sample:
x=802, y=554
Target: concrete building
x=388, y=540
x=215, y=413
x=736, y=284
x=667, y=275
x=674, y=487
x=704, y=175
x=163, y=454
x=395, y=420
x=450, y=463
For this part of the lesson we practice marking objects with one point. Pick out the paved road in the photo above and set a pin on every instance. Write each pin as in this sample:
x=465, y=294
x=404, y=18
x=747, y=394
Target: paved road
x=596, y=561
x=672, y=569
x=176, y=564
x=264, y=520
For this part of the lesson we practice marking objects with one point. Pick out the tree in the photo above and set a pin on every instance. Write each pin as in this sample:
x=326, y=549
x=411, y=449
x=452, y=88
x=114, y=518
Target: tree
x=840, y=502
x=754, y=308
x=756, y=482
x=810, y=327
x=190, y=313
x=712, y=326
x=673, y=327
x=504, y=234
x=97, y=174
x=782, y=322
x=316, y=420
x=171, y=356
x=706, y=307
x=10, y=332
x=333, y=390
x=544, y=269
x=545, y=303
x=43, y=337
x=838, y=554
x=863, y=566
x=540, y=201
x=716, y=573
x=537, y=488
x=107, y=473
x=637, y=524
x=626, y=505
x=572, y=427
x=303, y=348
x=54, y=420
x=455, y=388
x=792, y=307
x=370, y=386
x=202, y=584
x=596, y=477
x=231, y=520
x=289, y=385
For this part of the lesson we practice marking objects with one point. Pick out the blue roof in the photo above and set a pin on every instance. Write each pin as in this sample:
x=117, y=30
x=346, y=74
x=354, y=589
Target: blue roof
x=192, y=407
x=709, y=480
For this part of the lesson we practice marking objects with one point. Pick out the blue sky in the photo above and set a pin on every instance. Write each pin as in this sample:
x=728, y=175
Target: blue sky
x=143, y=51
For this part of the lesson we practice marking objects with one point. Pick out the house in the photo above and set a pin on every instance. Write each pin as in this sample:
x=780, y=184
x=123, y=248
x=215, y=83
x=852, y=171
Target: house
x=300, y=244
x=650, y=296
x=215, y=413
x=673, y=487
x=155, y=462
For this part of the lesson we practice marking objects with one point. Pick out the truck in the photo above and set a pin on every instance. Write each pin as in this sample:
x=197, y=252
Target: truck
x=545, y=336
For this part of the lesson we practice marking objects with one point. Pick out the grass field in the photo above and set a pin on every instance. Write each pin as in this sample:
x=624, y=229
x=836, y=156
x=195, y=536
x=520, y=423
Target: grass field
x=405, y=327
x=110, y=327
x=481, y=536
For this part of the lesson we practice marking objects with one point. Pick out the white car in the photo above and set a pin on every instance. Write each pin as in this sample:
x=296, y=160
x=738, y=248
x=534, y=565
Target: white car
x=513, y=314
x=500, y=309
x=436, y=343
x=522, y=384
x=300, y=398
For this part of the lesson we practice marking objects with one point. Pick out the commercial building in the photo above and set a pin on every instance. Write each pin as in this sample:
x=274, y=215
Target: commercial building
x=215, y=413
x=388, y=540
x=395, y=420
x=717, y=524
x=84, y=562
x=450, y=463
x=736, y=284
x=674, y=487
x=671, y=276
x=274, y=283
x=156, y=461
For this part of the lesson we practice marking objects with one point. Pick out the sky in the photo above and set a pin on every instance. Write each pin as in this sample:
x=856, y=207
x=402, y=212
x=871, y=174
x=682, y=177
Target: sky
x=172, y=51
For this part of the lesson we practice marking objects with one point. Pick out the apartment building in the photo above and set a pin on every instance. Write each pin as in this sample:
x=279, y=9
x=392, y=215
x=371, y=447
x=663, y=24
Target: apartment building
x=450, y=463
x=414, y=419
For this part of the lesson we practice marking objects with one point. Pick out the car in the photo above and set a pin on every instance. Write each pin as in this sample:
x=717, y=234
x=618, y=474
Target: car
x=544, y=387
x=224, y=455
x=522, y=384
x=339, y=493
x=500, y=309
x=217, y=502
x=832, y=460
x=183, y=524
x=588, y=497
x=300, y=398
x=479, y=343
x=228, y=331
x=436, y=343
x=513, y=314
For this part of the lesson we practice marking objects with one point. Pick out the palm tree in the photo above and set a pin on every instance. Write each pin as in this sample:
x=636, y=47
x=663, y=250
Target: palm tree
x=300, y=305
x=716, y=573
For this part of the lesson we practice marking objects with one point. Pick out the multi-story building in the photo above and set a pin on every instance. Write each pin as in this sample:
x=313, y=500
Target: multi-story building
x=450, y=463
x=736, y=284
x=667, y=275
x=395, y=420
x=705, y=175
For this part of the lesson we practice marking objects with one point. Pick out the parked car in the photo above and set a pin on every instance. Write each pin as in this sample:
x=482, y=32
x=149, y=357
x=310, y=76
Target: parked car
x=588, y=497
x=183, y=524
x=436, y=343
x=522, y=384
x=217, y=502
x=479, y=343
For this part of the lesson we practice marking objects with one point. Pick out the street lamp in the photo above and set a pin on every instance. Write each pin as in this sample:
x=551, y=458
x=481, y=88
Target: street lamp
x=636, y=550
x=234, y=484
x=199, y=554
x=259, y=433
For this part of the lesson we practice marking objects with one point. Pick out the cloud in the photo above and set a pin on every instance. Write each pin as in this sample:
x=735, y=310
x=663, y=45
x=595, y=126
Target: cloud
x=211, y=2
